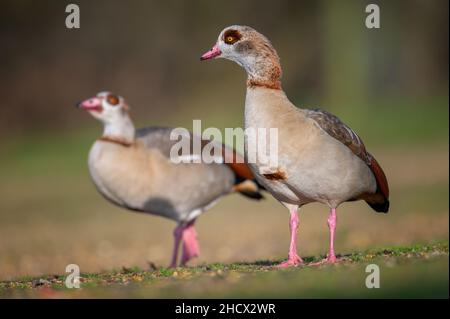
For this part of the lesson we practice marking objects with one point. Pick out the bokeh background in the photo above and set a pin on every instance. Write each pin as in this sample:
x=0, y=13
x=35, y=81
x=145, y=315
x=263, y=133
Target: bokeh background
x=389, y=84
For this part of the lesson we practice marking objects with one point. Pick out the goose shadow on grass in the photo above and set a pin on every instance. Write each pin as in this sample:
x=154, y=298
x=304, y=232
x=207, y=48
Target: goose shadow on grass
x=308, y=260
x=315, y=260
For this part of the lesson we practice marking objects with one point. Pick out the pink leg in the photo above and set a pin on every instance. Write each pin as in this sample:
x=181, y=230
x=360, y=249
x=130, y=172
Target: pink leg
x=293, y=258
x=190, y=244
x=331, y=258
x=177, y=237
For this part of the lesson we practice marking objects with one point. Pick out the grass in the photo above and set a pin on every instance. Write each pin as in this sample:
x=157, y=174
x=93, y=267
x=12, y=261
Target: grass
x=406, y=271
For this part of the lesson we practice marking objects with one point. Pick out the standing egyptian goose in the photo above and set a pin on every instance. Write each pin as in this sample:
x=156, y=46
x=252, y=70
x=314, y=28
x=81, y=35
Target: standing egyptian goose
x=132, y=169
x=320, y=159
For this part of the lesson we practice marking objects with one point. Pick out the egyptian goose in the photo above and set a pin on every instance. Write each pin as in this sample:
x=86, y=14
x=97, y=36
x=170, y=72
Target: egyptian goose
x=132, y=169
x=320, y=159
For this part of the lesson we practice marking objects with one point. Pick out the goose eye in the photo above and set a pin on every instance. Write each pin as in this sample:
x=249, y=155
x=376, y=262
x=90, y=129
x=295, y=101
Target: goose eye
x=112, y=99
x=231, y=36
x=229, y=40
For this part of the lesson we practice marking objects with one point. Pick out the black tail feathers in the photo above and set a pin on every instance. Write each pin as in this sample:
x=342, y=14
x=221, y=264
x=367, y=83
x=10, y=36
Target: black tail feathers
x=380, y=207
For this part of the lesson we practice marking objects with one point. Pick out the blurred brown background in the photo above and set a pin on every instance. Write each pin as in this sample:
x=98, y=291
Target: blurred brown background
x=390, y=85
x=148, y=51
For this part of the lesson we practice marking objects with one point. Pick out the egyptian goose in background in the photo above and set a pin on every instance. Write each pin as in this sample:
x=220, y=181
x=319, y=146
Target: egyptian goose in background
x=320, y=159
x=132, y=169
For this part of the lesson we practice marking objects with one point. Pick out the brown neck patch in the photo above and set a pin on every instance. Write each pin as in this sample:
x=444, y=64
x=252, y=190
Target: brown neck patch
x=116, y=140
x=273, y=85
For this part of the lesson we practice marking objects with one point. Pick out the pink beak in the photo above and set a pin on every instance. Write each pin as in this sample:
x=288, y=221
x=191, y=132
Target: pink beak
x=92, y=104
x=215, y=51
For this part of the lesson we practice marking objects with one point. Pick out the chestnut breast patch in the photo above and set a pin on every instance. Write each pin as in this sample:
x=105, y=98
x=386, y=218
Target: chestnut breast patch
x=278, y=175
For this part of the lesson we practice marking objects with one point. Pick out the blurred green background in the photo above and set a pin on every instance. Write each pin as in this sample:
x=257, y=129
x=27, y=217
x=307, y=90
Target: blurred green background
x=389, y=84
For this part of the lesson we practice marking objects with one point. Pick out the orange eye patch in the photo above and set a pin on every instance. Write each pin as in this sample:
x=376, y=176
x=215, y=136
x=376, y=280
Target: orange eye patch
x=112, y=99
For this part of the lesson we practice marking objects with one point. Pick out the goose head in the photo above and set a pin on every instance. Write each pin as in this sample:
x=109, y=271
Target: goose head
x=113, y=112
x=106, y=107
x=249, y=49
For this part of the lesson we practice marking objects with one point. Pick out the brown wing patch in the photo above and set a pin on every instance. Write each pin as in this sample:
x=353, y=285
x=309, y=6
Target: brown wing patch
x=382, y=182
x=333, y=126
x=159, y=137
x=241, y=170
x=237, y=163
x=233, y=160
